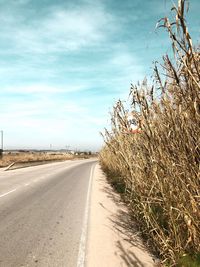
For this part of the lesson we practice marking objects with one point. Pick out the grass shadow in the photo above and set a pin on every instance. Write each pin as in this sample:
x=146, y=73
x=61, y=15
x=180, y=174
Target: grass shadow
x=124, y=223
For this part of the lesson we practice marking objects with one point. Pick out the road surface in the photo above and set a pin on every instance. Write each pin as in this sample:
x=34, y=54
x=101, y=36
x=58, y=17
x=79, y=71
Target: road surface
x=43, y=214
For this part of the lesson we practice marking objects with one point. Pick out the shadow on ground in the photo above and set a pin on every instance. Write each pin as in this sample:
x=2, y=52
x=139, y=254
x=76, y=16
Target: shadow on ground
x=129, y=258
x=124, y=223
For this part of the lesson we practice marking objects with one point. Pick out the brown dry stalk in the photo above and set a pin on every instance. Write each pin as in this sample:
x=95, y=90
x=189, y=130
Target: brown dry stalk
x=160, y=167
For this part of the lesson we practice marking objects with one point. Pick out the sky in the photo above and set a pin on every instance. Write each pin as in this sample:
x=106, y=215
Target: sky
x=63, y=64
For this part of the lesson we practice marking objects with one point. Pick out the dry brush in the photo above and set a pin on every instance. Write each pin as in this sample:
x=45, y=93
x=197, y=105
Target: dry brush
x=158, y=169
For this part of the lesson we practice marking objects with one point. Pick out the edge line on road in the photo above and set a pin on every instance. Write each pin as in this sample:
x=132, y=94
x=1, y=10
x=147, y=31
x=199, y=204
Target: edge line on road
x=82, y=245
x=34, y=181
x=8, y=192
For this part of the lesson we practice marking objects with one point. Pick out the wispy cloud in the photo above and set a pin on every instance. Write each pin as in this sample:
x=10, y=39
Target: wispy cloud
x=42, y=121
x=63, y=64
x=59, y=30
x=43, y=89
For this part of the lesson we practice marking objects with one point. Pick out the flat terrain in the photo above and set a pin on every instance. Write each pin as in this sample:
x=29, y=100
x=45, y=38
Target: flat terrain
x=113, y=239
x=65, y=215
x=42, y=214
x=9, y=158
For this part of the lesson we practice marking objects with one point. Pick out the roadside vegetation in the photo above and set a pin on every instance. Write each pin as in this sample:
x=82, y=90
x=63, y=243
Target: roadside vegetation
x=10, y=158
x=157, y=169
x=47, y=156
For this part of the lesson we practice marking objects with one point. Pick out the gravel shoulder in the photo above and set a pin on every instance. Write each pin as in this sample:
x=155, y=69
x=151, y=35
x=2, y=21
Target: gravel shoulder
x=112, y=240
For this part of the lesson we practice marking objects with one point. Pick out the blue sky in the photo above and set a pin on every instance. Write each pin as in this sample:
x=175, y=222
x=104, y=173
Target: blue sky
x=64, y=63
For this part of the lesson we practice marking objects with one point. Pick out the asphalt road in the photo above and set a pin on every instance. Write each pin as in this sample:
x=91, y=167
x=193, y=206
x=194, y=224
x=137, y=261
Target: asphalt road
x=43, y=214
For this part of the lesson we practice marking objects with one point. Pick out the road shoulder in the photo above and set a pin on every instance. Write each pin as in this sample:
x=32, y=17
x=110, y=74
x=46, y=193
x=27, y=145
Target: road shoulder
x=111, y=240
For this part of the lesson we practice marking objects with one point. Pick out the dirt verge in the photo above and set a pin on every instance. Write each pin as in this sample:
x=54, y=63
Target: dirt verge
x=112, y=239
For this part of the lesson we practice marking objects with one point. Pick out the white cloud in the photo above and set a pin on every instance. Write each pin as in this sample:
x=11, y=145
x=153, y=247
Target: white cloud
x=42, y=120
x=127, y=67
x=61, y=30
x=35, y=105
x=43, y=89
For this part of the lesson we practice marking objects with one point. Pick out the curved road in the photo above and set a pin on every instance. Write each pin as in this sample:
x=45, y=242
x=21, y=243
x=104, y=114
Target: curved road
x=43, y=214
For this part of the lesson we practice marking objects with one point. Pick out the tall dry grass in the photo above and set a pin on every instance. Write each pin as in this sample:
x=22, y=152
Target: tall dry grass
x=8, y=159
x=158, y=169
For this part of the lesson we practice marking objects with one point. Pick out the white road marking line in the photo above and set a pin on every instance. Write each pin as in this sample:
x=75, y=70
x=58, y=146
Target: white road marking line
x=8, y=192
x=81, y=257
x=82, y=245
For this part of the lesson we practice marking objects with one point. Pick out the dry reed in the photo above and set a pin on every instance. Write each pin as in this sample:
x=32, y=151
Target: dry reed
x=159, y=168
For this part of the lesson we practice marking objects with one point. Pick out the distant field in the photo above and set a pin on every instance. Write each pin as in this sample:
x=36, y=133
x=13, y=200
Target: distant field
x=9, y=158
